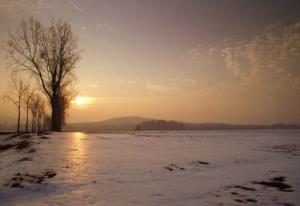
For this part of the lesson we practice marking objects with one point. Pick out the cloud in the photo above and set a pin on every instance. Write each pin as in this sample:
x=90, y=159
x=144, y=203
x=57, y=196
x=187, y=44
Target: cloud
x=95, y=27
x=160, y=89
x=7, y=7
x=262, y=73
x=182, y=81
x=75, y=6
x=93, y=85
x=145, y=87
x=169, y=86
x=13, y=7
x=272, y=55
x=104, y=26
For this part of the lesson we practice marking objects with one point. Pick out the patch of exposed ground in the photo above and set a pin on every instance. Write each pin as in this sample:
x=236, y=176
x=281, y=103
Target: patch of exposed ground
x=293, y=149
x=20, y=142
x=20, y=145
x=255, y=192
x=276, y=182
x=172, y=167
x=198, y=162
x=21, y=180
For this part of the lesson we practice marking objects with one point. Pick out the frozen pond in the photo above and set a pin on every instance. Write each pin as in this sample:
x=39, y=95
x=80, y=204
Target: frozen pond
x=155, y=168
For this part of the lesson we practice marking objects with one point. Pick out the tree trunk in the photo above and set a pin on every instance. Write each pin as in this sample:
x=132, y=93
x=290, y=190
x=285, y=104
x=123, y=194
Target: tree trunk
x=32, y=122
x=56, y=123
x=38, y=126
x=19, y=115
x=27, y=119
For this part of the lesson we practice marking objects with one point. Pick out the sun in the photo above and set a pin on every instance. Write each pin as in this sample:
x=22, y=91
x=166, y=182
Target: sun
x=81, y=101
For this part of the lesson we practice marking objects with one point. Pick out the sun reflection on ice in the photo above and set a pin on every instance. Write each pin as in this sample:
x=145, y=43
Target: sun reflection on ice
x=77, y=154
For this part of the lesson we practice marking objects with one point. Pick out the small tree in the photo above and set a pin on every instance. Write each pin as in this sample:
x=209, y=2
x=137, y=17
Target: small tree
x=27, y=100
x=33, y=106
x=16, y=91
x=33, y=110
x=41, y=112
x=38, y=112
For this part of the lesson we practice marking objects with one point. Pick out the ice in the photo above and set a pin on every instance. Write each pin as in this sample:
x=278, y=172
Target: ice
x=131, y=168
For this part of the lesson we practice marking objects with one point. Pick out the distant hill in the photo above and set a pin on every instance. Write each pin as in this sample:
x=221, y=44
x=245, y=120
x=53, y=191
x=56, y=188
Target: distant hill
x=174, y=125
x=7, y=120
x=115, y=124
x=7, y=123
x=133, y=123
x=131, y=120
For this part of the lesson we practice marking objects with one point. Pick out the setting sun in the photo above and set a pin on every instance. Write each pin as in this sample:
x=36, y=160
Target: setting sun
x=81, y=101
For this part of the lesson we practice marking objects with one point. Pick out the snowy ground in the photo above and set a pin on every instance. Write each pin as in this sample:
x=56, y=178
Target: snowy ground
x=153, y=168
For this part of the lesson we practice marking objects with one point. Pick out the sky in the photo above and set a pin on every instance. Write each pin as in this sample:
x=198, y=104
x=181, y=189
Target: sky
x=234, y=61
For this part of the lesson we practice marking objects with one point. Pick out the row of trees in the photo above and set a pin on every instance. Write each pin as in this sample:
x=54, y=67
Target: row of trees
x=29, y=100
x=48, y=54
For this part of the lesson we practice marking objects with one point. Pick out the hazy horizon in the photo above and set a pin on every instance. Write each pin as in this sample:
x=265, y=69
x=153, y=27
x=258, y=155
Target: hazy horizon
x=192, y=61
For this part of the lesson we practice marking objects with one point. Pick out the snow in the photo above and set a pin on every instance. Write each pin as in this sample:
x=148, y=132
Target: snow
x=131, y=168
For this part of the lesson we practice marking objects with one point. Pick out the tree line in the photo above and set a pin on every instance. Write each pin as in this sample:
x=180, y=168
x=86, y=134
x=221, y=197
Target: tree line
x=174, y=125
x=30, y=101
x=46, y=55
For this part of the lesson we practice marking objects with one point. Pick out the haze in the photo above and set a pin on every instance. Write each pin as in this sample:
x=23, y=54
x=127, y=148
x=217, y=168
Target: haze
x=196, y=61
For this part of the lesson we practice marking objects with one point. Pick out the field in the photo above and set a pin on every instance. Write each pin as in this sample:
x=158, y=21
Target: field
x=151, y=168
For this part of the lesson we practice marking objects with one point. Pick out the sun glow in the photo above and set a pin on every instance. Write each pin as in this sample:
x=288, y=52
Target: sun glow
x=81, y=101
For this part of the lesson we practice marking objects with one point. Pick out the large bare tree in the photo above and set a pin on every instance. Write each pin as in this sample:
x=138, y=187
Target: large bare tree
x=15, y=94
x=49, y=53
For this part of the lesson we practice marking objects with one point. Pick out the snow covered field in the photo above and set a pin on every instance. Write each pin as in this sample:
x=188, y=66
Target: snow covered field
x=152, y=168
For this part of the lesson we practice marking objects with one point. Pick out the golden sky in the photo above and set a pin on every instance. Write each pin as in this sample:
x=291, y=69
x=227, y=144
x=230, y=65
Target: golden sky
x=198, y=61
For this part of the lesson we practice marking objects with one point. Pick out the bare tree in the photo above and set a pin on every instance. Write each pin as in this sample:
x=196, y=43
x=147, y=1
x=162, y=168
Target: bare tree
x=33, y=109
x=15, y=95
x=41, y=115
x=28, y=94
x=50, y=54
x=38, y=112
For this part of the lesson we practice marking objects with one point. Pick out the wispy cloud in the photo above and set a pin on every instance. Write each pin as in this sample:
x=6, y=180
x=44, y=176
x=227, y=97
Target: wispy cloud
x=272, y=55
x=75, y=6
x=93, y=85
x=104, y=26
x=263, y=74
x=146, y=87
x=11, y=8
